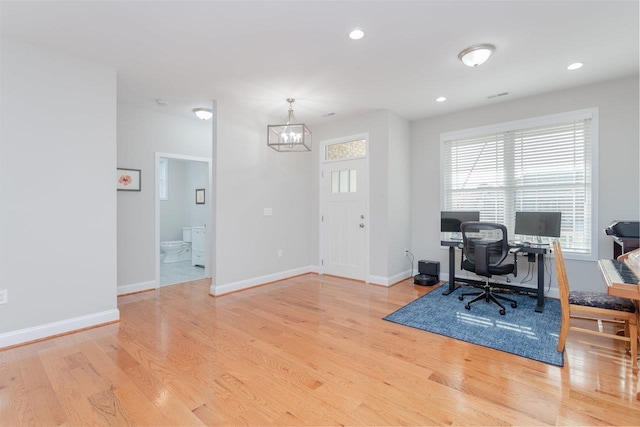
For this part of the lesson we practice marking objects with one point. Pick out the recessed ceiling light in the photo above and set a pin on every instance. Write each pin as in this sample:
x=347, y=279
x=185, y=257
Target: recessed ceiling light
x=356, y=34
x=441, y=99
x=575, y=66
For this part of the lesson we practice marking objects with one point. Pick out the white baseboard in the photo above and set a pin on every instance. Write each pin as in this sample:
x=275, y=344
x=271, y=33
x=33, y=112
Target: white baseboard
x=56, y=328
x=216, y=290
x=136, y=287
x=388, y=281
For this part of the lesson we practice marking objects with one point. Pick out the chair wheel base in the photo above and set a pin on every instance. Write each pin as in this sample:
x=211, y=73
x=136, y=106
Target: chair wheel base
x=488, y=296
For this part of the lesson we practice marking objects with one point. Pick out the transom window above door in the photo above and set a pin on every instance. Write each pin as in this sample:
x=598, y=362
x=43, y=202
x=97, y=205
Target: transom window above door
x=346, y=150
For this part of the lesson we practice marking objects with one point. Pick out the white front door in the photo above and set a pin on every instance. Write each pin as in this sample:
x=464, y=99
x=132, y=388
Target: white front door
x=344, y=190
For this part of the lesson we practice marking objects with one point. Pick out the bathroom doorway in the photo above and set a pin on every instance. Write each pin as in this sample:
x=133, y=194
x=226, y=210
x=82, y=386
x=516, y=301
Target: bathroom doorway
x=183, y=211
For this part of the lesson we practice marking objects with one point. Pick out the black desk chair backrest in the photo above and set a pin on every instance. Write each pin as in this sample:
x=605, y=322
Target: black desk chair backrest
x=485, y=247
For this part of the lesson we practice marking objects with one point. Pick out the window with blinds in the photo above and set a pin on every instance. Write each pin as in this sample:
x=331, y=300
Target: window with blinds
x=163, y=178
x=541, y=164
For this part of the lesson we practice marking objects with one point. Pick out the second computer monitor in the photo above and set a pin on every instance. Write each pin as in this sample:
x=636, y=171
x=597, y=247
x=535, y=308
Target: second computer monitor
x=450, y=220
x=538, y=223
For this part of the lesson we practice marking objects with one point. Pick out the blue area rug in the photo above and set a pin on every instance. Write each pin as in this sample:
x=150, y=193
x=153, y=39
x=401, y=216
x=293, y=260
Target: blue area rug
x=520, y=331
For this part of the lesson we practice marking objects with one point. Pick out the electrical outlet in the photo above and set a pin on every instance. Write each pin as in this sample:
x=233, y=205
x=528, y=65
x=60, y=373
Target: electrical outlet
x=4, y=296
x=279, y=253
x=406, y=251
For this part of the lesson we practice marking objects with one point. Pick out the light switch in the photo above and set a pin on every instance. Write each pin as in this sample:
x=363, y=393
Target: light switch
x=268, y=211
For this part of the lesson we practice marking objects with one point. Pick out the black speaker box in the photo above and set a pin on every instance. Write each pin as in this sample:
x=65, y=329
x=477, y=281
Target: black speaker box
x=430, y=268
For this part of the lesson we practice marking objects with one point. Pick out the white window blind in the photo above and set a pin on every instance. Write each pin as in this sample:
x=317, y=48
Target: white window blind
x=536, y=168
x=163, y=179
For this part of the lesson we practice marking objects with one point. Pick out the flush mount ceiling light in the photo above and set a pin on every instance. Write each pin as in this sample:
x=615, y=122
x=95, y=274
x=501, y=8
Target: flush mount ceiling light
x=441, y=99
x=290, y=136
x=476, y=54
x=203, y=113
x=356, y=34
x=575, y=66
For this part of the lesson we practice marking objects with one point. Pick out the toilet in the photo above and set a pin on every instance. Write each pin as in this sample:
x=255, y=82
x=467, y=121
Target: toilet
x=177, y=250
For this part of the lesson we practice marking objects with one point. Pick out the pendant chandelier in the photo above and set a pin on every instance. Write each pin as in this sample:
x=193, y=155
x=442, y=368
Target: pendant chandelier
x=290, y=136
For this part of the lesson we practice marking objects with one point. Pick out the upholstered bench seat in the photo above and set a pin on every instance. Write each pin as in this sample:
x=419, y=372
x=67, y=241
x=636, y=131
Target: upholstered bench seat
x=600, y=300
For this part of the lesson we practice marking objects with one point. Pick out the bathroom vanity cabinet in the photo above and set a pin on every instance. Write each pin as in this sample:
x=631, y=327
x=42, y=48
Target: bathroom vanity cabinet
x=198, y=235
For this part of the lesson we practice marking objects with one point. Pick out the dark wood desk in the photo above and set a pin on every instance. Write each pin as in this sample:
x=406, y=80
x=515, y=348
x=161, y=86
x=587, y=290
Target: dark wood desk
x=539, y=251
x=622, y=245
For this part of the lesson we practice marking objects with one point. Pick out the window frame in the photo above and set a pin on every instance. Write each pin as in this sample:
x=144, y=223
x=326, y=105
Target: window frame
x=548, y=120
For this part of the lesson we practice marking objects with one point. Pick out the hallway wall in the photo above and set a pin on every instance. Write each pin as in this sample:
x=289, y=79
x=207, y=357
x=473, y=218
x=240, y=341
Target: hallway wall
x=57, y=193
x=141, y=133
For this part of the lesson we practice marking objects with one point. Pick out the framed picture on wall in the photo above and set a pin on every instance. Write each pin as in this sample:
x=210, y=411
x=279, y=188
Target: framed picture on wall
x=199, y=196
x=128, y=179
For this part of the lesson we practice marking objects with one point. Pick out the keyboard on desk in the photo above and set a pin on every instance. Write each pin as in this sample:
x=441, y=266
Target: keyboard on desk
x=517, y=243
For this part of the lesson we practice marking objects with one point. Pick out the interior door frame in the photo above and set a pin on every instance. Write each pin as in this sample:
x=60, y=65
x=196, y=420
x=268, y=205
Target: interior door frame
x=321, y=162
x=208, y=211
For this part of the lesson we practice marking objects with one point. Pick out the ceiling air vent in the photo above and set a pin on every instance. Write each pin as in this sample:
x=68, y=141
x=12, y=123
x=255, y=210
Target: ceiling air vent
x=497, y=95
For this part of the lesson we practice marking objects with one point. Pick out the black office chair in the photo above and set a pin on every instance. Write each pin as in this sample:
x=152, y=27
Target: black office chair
x=485, y=247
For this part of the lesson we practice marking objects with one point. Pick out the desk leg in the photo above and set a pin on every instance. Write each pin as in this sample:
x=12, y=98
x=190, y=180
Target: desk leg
x=540, y=304
x=452, y=271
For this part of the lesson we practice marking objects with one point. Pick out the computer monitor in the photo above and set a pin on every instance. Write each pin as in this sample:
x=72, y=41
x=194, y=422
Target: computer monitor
x=538, y=223
x=450, y=220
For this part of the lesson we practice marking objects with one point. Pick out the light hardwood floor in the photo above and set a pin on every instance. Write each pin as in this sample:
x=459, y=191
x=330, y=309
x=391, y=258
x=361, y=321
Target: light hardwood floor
x=311, y=350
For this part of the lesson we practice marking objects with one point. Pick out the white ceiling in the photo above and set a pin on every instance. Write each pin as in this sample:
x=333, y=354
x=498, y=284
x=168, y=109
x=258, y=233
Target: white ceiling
x=257, y=53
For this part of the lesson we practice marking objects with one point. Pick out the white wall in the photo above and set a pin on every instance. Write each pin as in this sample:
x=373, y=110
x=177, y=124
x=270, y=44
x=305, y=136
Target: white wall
x=618, y=164
x=57, y=192
x=142, y=133
x=249, y=176
x=389, y=190
x=180, y=209
x=399, y=196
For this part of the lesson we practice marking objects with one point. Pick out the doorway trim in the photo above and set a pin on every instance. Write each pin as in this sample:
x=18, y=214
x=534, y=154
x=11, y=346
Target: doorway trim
x=208, y=211
x=367, y=214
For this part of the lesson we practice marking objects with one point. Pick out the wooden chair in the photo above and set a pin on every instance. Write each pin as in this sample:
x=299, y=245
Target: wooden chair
x=595, y=306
